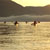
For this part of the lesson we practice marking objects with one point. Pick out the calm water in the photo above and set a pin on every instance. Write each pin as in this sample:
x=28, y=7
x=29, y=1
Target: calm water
x=24, y=36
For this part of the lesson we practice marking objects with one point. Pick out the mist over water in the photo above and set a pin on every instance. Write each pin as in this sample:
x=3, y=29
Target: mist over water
x=23, y=18
x=25, y=36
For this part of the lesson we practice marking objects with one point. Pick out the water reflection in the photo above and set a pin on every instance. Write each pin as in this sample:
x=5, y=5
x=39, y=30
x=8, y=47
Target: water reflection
x=24, y=36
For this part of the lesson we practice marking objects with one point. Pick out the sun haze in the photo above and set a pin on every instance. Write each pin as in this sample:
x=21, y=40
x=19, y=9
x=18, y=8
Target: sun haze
x=32, y=2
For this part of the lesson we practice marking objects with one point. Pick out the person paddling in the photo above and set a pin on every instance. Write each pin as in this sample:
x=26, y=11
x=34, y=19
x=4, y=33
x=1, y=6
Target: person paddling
x=35, y=23
x=16, y=22
x=4, y=22
x=26, y=22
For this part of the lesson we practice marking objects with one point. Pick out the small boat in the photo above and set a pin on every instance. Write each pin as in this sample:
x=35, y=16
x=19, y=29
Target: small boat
x=32, y=24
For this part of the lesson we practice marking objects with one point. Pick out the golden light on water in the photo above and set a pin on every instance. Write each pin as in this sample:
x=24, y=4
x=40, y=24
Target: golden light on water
x=32, y=2
x=16, y=25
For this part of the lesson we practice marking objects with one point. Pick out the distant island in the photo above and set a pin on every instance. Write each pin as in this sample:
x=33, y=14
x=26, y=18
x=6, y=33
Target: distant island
x=10, y=8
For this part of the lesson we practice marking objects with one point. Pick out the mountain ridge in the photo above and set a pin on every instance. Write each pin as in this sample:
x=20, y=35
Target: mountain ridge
x=10, y=8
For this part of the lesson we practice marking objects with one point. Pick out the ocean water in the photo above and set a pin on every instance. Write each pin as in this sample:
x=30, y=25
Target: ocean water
x=25, y=36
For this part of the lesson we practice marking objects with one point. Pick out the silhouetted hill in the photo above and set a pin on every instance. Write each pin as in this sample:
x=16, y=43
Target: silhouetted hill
x=48, y=6
x=8, y=8
x=38, y=10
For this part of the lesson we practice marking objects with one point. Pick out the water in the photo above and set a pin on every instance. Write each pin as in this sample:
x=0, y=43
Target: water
x=25, y=36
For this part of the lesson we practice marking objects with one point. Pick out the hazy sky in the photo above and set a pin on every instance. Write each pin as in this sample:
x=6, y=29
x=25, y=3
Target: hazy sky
x=33, y=2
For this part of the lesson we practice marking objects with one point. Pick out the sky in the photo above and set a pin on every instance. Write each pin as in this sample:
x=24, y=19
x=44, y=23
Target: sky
x=32, y=2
